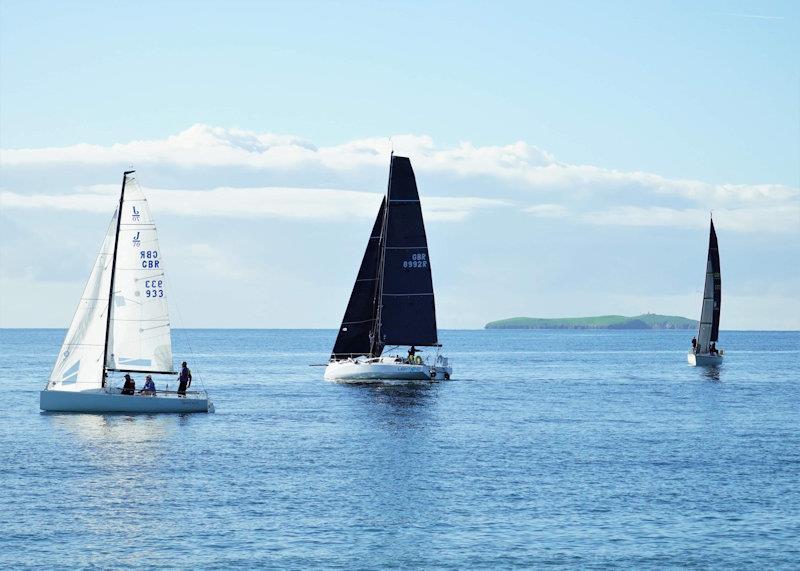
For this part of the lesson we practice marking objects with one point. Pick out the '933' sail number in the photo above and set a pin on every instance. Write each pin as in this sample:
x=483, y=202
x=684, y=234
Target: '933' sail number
x=416, y=261
x=153, y=288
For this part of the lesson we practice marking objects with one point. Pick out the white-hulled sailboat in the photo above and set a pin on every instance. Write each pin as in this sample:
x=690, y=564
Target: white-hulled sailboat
x=705, y=352
x=121, y=324
x=392, y=302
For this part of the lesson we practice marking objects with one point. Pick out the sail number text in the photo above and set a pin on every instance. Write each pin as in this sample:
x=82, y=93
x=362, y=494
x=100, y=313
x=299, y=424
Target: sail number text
x=416, y=261
x=153, y=288
x=149, y=258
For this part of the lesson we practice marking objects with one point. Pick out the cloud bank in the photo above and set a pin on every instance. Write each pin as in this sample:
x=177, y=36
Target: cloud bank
x=517, y=174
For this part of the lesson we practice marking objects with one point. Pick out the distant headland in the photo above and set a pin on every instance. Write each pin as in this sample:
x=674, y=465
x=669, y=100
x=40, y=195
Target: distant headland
x=646, y=321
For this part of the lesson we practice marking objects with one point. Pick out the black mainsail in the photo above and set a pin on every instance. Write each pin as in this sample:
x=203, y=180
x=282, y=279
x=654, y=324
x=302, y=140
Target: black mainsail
x=392, y=302
x=712, y=296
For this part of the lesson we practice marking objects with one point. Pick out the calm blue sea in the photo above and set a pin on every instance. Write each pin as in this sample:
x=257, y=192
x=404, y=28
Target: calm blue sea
x=552, y=448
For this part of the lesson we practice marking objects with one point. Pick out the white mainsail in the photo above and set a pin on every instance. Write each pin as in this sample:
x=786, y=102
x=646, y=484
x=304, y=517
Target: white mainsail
x=139, y=337
x=79, y=365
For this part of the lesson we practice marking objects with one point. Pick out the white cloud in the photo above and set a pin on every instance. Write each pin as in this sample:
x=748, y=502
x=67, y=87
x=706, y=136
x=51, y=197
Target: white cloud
x=548, y=210
x=519, y=162
x=293, y=203
x=772, y=219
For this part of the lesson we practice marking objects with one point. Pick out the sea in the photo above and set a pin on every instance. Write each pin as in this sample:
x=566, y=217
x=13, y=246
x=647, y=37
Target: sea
x=563, y=449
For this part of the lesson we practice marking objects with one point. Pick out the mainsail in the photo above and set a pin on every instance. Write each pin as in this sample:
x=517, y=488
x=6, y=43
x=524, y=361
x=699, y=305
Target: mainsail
x=392, y=301
x=407, y=310
x=712, y=296
x=139, y=336
x=123, y=315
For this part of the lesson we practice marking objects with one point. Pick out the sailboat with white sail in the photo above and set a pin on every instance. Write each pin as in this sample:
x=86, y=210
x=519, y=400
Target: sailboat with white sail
x=392, y=302
x=121, y=325
x=704, y=352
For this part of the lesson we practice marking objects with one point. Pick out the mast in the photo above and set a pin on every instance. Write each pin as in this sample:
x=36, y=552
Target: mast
x=113, y=272
x=377, y=346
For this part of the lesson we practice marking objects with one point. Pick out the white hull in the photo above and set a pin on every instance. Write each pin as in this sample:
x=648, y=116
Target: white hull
x=704, y=359
x=100, y=401
x=384, y=369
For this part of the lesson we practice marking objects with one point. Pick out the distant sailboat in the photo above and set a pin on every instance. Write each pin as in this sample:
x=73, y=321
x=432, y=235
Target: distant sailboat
x=392, y=302
x=121, y=324
x=704, y=352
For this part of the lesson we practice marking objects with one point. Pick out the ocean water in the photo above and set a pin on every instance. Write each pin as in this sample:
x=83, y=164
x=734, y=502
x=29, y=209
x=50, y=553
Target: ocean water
x=588, y=449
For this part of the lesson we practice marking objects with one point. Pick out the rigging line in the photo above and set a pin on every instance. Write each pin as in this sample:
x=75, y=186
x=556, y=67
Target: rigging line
x=185, y=335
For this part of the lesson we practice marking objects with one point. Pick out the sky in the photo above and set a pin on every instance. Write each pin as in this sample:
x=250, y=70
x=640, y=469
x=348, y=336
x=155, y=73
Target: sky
x=568, y=154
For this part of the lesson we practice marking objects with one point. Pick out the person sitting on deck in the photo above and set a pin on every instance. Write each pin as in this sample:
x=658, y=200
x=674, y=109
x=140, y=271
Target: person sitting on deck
x=149, y=386
x=130, y=385
x=712, y=349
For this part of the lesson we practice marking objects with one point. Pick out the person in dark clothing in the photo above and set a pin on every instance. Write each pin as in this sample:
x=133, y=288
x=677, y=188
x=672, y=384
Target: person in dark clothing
x=184, y=380
x=130, y=385
x=694, y=344
x=712, y=349
x=411, y=352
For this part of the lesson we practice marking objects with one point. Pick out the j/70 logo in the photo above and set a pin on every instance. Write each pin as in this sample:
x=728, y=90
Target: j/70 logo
x=136, y=241
x=135, y=214
x=416, y=261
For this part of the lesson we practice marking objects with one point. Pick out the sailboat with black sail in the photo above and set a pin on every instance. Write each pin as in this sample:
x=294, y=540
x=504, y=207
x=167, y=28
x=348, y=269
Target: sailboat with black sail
x=121, y=324
x=392, y=303
x=704, y=351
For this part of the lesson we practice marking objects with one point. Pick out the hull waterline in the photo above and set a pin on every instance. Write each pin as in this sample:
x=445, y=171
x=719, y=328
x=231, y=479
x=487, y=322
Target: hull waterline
x=704, y=360
x=357, y=372
x=103, y=402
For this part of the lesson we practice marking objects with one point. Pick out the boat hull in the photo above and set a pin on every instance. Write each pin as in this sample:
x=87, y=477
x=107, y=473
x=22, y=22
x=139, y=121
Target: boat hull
x=103, y=402
x=377, y=372
x=704, y=360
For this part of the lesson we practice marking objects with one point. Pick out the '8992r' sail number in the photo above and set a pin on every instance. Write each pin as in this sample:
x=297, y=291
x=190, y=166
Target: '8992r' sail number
x=416, y=261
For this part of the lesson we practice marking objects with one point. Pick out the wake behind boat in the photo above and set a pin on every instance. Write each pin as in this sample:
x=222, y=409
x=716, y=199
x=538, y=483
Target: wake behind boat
x=121, y=324
x=704, y=352
x=392, y=302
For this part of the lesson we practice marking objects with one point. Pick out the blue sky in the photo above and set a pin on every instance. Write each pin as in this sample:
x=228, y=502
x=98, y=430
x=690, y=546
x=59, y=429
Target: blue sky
x=569, y=152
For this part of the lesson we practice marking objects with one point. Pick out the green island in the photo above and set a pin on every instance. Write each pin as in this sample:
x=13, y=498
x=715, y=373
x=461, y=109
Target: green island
x=646, y=321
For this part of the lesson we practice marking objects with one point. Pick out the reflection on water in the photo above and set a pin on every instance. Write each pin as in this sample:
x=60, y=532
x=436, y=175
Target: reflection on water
x=712, y=374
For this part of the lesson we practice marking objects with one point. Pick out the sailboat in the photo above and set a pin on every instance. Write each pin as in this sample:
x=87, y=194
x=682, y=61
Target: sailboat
x=392, y=302
x=121, y=324
x=705, y=353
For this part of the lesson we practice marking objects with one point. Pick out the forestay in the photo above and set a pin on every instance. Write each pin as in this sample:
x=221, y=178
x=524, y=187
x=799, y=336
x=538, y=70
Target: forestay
x=712, y=296
x=139, y=335
x=79, y=365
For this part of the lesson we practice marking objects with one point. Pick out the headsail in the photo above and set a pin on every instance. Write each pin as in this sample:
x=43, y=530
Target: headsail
x=407, y=310
x=359, y=317
x=139, y=336
x=712, y=296
x=79, y=365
